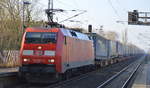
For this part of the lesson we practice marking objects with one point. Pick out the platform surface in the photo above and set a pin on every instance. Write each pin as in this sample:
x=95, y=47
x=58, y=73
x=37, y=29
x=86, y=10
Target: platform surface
x=143, y=77
x=7, y=70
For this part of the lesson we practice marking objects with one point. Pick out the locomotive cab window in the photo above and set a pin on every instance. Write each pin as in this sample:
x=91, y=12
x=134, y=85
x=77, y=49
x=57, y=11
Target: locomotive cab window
x=49, y=37
x=40, y=37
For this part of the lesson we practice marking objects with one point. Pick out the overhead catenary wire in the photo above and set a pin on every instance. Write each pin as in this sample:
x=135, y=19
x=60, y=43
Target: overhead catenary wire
x=62, y=10
x=73, y=16
x=115, y=11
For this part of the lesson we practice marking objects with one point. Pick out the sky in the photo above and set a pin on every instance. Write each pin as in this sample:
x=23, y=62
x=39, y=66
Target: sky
x=106, y=13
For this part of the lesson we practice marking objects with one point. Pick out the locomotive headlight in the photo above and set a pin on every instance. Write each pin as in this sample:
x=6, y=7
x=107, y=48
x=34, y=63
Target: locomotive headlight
x=51, y=60
x=39, y=47
x=25, y=60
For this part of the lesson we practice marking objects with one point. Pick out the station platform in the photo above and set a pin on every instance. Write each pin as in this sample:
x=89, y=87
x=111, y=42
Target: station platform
x=7, y=70
x=142, y=79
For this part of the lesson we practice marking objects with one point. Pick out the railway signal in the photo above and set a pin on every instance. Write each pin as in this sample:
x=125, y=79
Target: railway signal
x=25, y=3
x=133, y=17
x=90, y=28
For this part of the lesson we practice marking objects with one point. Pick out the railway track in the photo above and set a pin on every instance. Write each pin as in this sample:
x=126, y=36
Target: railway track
x=122, y=78
x=8, y=79
x=8, y=74
x=53, y=85
x=84, y=76
x=95, y=76
x=66, y=82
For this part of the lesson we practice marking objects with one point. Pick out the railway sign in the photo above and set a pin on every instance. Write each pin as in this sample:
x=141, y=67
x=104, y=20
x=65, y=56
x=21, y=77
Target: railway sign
x=139, y=18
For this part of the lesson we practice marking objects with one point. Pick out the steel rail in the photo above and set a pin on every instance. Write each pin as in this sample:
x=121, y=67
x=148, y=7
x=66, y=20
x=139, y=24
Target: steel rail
x=125, y=85
x=115, y=76
x=8, y=74
x=77, y=78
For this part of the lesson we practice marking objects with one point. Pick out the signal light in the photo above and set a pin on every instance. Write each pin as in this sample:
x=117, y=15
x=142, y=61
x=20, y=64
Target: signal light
x=90, y=28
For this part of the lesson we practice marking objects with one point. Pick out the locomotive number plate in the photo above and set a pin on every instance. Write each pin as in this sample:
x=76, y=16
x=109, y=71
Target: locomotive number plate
x=38, y=52
x=37, y=61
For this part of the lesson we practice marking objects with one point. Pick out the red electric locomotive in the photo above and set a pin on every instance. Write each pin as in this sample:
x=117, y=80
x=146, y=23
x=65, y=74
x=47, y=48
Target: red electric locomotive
x=52, y=53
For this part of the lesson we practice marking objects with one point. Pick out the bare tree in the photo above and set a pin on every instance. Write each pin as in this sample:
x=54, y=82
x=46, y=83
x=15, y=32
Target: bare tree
x=11, y=24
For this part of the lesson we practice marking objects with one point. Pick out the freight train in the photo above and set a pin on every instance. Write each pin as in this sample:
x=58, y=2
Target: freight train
x=109, y=51
x=49, y=54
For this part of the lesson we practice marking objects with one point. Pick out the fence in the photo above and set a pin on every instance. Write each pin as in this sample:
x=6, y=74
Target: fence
x=9, y=58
